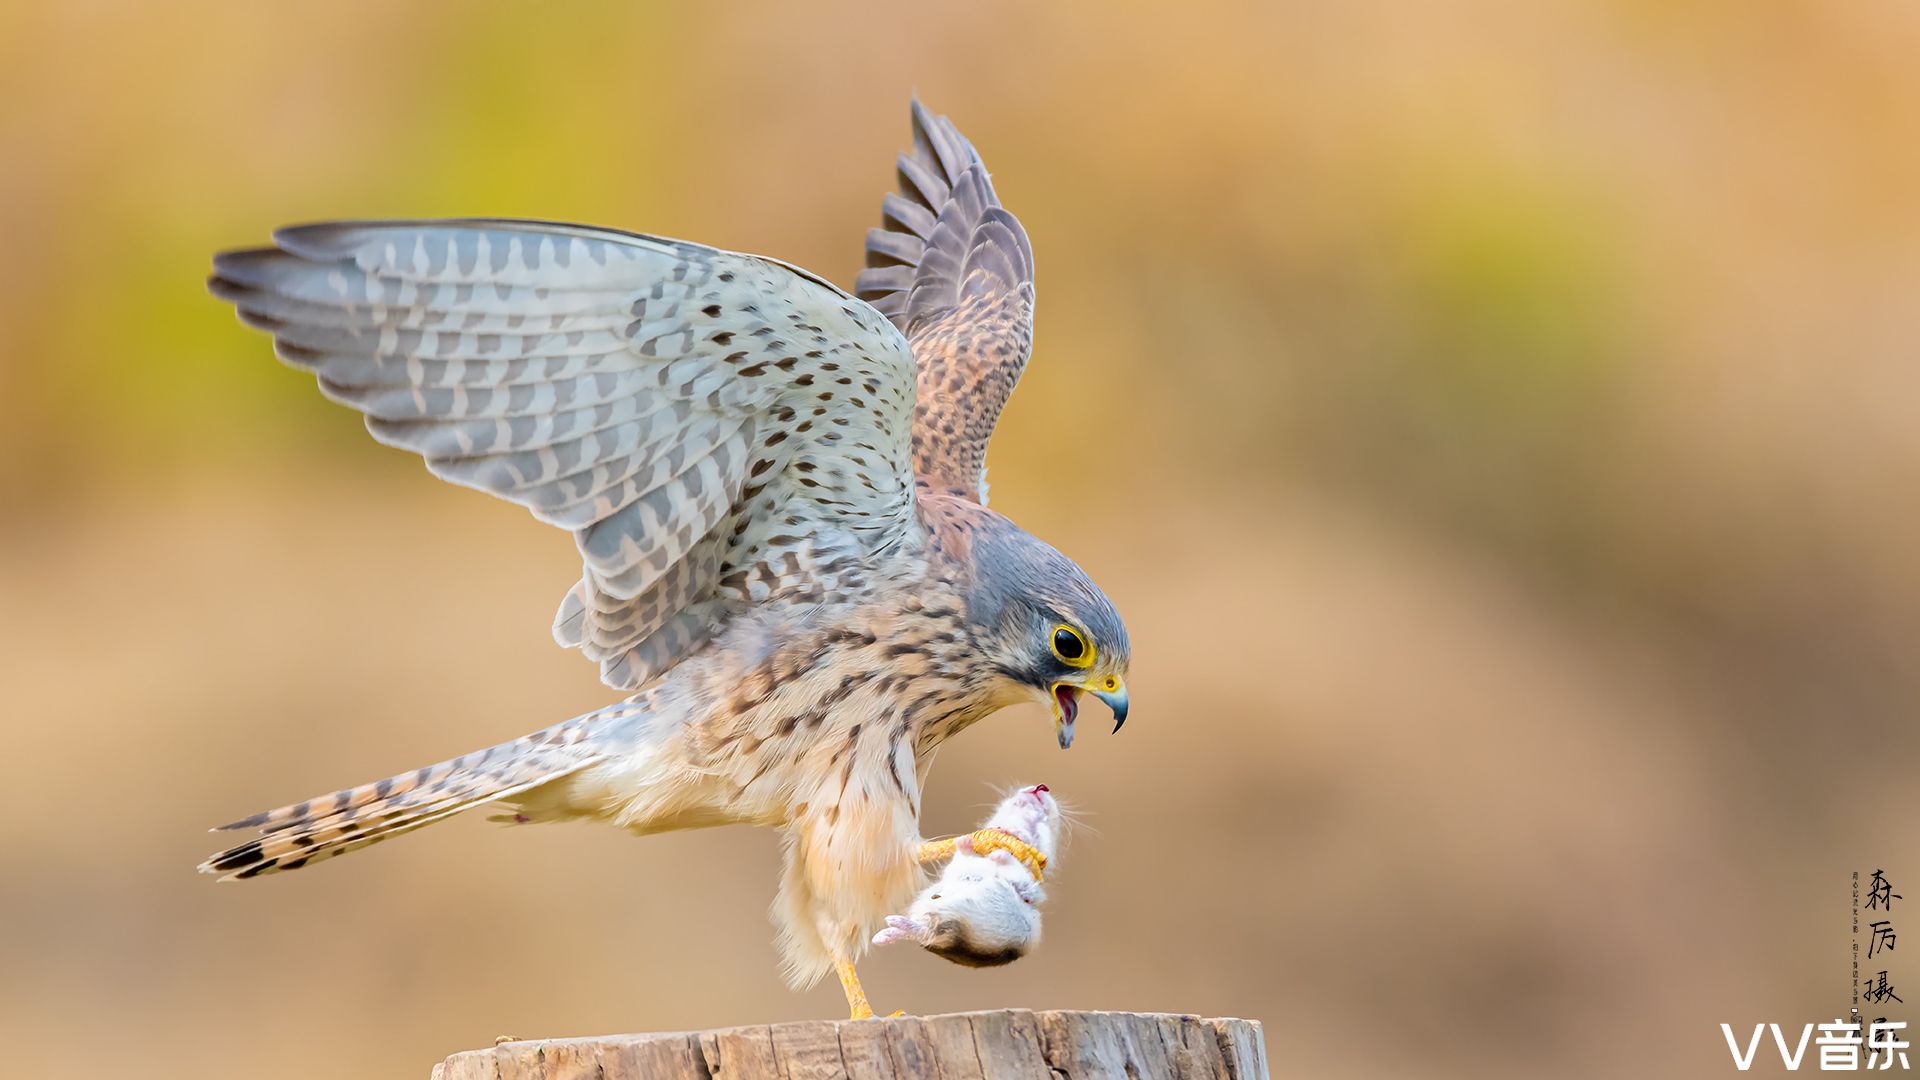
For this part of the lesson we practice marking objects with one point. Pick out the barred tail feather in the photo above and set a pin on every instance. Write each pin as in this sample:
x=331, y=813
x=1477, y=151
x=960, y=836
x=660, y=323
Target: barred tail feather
x=304, y=833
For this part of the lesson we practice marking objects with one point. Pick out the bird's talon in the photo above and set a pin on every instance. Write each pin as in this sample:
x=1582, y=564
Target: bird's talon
x=932, y=851
x=988, y=841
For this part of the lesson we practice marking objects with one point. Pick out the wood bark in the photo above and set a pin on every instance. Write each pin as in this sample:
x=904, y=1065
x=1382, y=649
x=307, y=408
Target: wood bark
x=1009, y=1043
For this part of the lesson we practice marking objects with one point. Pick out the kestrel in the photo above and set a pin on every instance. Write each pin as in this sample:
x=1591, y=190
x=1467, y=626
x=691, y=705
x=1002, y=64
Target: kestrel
x=778, y=491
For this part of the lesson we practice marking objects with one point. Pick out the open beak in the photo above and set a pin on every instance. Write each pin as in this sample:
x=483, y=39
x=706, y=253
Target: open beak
x=1066, y=705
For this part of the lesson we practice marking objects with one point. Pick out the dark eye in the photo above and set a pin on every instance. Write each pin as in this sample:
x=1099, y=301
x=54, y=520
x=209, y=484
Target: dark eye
x=1070, y=647
x=1068, y=644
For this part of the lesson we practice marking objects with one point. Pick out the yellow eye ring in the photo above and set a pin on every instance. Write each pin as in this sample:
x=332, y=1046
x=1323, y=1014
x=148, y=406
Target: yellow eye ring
x=1072, y=649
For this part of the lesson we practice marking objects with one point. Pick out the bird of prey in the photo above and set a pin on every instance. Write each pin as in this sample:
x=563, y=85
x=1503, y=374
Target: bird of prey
x=778, y=493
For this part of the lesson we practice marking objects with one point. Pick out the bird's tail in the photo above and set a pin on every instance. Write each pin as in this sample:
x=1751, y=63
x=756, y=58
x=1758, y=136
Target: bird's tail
x=320, y=828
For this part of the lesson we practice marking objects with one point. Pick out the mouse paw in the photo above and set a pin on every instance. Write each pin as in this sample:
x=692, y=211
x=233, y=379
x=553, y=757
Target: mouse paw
x=898, y=928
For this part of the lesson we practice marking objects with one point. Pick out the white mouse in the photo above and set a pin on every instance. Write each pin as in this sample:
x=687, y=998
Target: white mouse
x=985, y=908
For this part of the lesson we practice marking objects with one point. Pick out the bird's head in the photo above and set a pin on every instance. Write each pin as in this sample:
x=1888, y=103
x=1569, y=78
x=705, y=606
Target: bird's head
x=1048, y=628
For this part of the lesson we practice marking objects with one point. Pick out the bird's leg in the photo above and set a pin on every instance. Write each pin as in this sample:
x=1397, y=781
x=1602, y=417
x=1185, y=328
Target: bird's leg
x=932, y=851
x=856, y=997
x=988, y=841
x=984, y=842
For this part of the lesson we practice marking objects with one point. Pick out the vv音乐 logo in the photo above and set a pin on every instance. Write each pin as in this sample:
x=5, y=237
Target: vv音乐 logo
x=1840, y=1045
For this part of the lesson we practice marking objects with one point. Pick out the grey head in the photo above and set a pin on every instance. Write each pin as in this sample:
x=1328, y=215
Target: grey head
x=1049, y=629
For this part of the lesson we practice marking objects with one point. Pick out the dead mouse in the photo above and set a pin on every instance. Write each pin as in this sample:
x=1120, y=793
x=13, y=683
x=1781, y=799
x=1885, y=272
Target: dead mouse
x=985, y=908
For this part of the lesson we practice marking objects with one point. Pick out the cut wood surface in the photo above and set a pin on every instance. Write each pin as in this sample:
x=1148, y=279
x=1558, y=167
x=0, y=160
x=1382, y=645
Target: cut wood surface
x=1012, y=1043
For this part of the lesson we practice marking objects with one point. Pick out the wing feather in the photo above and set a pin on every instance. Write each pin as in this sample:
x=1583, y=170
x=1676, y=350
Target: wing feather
x=636, y=390
x=954, y=271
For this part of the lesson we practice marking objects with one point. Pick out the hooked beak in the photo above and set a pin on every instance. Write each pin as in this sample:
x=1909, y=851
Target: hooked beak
x=1116, y=699
x=1066, y=705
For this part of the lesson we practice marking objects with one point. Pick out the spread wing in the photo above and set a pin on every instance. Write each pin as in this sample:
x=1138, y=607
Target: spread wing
x=716, y=429
x=954, y=271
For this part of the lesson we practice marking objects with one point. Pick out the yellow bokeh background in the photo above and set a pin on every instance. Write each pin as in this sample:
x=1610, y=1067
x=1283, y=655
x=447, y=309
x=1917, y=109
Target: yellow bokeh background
x=1496, y=421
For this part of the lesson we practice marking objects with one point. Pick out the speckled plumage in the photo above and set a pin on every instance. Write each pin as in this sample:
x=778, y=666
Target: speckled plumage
x=954, y=271
x=786, y=551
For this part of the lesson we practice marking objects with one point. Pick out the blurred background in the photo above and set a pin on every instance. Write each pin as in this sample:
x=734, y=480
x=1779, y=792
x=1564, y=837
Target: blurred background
x=1495, y=419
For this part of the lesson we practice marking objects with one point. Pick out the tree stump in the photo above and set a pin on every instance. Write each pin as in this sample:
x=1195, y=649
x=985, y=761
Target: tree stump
x=1011, y=1043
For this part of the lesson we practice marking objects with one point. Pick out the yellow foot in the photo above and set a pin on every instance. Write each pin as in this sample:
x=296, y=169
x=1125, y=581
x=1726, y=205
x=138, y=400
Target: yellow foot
x=856, y=997
x=989, y=840
x=934, y=850
x=985, y=842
